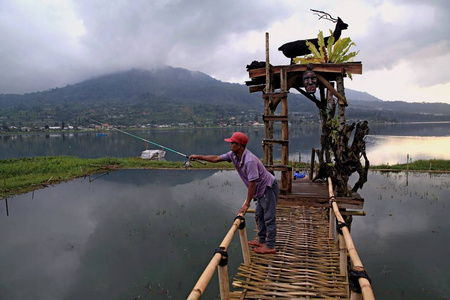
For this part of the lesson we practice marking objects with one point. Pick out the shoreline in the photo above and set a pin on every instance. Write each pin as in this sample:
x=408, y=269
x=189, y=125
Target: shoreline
x=22, y=175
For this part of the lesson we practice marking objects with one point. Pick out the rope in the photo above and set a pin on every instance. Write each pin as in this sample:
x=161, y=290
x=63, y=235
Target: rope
x=339, y=227
x=353, y=277
x=224, y=260
x=242, y=225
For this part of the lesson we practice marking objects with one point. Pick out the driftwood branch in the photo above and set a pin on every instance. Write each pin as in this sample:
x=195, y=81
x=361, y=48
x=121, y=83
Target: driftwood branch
x=324, y=15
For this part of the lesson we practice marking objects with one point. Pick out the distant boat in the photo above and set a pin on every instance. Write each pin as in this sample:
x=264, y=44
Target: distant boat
x=153, y=154
x=101, y=134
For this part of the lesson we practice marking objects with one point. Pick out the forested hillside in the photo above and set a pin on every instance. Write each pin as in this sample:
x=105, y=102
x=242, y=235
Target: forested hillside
x=173, y=95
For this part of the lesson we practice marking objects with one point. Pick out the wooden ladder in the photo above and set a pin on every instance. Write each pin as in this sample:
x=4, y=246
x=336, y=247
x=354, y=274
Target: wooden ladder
x=271, y=101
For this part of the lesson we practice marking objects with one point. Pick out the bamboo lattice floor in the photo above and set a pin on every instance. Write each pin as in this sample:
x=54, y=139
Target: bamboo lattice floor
x=306, y=265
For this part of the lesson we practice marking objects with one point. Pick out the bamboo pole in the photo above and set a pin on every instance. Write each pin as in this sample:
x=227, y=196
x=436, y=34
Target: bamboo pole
x=224, y=282
x=342, y=256
x=366, y=288
x=355, y=296
x=332, y=223
x=244, y=246
x=267, y=65
x=208, y=273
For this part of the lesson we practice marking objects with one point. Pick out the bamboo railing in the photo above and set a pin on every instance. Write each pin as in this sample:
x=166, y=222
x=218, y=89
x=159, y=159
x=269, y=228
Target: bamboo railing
x=219, y=261
x=346, y=246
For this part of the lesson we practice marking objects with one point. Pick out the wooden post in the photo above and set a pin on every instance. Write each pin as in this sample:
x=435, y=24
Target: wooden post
x=207, y=274
x=267, y=125
x=244, y=246
x=293, y=168
x=268, y=89
x=355, y=296
x=268, y=148
x=7, y=209
x=342, y=256
x=4, y=182
x=284, y=132
x=331, y=226
x=224, y=282
x=313, y=153
x=342, y=118
x=366, y=288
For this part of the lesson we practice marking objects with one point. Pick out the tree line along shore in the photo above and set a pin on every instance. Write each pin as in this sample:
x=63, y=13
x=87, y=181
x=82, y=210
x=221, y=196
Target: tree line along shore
x=22, y=175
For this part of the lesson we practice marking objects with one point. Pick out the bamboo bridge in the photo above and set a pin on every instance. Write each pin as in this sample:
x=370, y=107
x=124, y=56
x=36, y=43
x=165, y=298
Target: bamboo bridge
x=312, y=252
x=313, y=226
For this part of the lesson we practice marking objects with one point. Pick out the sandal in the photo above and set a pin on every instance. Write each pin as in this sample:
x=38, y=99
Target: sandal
x=265, y=250
x=255, y=243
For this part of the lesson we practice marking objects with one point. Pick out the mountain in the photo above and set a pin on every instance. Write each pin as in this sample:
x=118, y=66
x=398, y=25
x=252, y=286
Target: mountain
x=360, y=96
x=172, y=95
x=173, y=83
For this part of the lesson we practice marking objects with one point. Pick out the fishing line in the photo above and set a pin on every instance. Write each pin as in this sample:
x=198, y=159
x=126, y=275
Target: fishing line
x=153, y=143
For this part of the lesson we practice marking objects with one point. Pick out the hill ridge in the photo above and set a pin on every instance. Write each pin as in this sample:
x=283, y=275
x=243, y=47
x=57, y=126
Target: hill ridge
x=169, y=94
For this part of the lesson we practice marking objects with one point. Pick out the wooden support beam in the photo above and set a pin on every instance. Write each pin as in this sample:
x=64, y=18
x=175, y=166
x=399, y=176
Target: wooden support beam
x=278, y=168
x=331, y=89
x=275, y=118
x=351, y=67
x=257, y=88
x=273, y=141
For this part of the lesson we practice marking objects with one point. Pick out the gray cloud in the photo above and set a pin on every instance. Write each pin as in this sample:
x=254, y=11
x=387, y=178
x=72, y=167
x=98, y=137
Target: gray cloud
x=423, y=38
x=49, y=45
x=43, y=51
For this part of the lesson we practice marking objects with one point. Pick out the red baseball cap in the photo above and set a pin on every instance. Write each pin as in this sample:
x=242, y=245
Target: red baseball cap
x=238, y=137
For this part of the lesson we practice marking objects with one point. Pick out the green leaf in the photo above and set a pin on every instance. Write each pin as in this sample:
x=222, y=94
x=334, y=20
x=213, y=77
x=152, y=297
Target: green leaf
x=332, y=52
x=313, y=49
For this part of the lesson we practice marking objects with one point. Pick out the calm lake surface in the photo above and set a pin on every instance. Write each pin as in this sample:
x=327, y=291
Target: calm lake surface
x=387, y=143
x=150, y=233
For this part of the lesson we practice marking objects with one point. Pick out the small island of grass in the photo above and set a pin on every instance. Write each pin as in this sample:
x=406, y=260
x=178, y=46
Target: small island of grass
x=22, y=175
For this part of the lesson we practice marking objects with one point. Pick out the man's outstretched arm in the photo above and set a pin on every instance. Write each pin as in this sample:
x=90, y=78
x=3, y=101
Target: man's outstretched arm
x=208, y=158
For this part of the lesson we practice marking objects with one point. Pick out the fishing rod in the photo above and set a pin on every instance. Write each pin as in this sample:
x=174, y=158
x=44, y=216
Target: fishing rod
x=153, y=143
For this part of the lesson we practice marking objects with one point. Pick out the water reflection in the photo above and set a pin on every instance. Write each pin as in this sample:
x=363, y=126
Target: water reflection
x=150, y=233
x=118, y=237
x=394, y=149
x=387, y=143
x=404, y=238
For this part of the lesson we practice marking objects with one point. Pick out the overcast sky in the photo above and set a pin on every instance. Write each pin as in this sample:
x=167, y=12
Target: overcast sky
x=404, y=44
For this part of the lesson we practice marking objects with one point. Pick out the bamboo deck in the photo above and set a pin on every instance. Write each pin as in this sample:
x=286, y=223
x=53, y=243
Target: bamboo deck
x=306, y=265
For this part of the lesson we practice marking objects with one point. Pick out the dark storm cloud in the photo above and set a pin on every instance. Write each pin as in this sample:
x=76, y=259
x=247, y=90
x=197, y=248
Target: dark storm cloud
x=47, y=44
x=184, y=33
x=50, y=44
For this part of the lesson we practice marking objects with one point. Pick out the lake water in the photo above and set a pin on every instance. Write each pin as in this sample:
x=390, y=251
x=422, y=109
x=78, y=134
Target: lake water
x=150, y=233
x=387, y=143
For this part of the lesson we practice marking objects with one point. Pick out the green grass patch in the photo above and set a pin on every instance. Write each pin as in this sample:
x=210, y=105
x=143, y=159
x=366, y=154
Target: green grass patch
x=22, y=175
x=418, y=165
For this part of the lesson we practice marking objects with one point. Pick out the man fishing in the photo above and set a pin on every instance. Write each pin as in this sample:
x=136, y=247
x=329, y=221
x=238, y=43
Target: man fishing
x=262, y=187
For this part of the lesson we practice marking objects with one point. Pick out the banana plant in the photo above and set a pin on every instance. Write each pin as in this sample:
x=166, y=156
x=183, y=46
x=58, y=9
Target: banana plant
x=330, y=53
